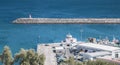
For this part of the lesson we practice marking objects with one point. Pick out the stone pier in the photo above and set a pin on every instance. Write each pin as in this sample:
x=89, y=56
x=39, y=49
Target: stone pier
x=67, y=21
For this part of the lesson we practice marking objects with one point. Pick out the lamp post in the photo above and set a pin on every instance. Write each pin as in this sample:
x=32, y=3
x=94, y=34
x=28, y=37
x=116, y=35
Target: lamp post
x=100, y=37
x=38, y=39
x=81, y=31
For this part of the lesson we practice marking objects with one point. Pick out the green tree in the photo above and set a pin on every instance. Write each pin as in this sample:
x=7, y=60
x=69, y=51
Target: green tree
x=71, y=61
x=100, y=62
x=21, y=57
x=29, y=57
x=6, y=56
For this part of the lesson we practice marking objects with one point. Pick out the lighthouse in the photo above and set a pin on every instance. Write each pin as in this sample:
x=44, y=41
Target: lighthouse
x=30, y=16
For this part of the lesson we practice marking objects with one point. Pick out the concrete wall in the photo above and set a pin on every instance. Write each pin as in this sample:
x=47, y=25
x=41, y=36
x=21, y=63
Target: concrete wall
x=68, y=20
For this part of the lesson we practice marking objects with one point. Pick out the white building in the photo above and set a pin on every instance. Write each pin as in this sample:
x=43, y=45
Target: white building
x=92, y=56
x=104, y=50
x=59, y=49
x=69, y=39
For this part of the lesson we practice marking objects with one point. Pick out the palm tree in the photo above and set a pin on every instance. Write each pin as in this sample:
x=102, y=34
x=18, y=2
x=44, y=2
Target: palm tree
x=6, y=56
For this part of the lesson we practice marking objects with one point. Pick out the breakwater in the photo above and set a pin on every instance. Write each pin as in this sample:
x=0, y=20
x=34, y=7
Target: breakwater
x=67, y=20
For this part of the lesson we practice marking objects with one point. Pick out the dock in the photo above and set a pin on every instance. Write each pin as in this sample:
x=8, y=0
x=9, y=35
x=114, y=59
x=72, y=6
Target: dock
x=95, y=51
x=56, y=53
x=67, y=21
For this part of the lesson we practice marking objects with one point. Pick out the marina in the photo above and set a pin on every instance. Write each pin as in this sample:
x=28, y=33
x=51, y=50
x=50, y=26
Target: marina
x=81, y=51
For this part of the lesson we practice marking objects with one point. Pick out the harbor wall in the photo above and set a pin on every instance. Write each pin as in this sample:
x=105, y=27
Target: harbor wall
x=67, y=20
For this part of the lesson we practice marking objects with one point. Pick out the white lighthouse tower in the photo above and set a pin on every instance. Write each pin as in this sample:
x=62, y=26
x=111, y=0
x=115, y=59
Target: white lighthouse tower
x=30, y=16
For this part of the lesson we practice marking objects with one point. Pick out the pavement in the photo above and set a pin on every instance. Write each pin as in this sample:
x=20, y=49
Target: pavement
x=49, y=54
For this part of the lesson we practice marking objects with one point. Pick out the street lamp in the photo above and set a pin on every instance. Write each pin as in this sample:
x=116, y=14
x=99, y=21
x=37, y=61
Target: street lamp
x=81, y=33
x=100, y=37
x=38, y=39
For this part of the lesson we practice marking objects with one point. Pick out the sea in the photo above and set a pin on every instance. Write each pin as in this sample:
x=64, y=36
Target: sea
x=27, y=36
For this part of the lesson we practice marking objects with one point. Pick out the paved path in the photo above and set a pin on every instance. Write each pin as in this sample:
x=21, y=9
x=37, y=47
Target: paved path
x=47, y=51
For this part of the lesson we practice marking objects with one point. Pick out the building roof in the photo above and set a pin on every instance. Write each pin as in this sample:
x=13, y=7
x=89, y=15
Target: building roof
x=69, y=35
x=99, y=46
x=59, y=48
x=96, y=54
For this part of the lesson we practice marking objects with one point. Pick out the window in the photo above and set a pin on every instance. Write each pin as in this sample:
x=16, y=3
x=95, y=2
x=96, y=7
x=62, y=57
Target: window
x=116, y=55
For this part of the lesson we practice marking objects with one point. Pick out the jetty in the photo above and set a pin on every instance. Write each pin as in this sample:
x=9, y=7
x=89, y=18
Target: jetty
x=67, y=21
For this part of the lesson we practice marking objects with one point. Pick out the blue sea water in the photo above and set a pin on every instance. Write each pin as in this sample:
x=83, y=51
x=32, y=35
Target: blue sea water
x=27, y=36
